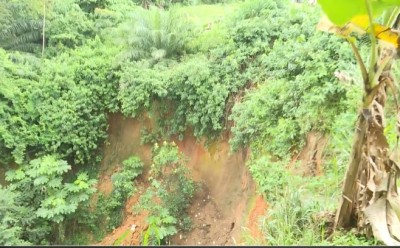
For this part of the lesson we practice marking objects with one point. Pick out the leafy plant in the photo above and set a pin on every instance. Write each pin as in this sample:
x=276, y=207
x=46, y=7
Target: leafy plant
x=11, y=216
x=291, y=221
x=378, y=210
x=154, y=33
x=24, y=35
x=59, y=106
x=123, y=182
x=297, y=91
x=21, y=25
x=67, y=26
x=140, y=84
x=169, y=195
x=160, y=227
x=271, y=177
x=50, y=198
x=111, y=207
x=288, y=222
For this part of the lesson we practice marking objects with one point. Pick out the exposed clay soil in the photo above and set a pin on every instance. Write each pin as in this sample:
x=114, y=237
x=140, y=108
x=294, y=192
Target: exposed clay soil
x=132, y=223
x=310, y=157
x=224, y=210
x=220, y=211
x=259, y=209
x=210, y=226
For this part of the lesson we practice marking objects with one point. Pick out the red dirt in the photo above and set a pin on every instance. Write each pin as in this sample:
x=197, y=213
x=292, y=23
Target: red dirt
x=210, y=226
x=229, y=185
x=259, y=210
x=219, y=211
x=129, y=219
x=310, y=156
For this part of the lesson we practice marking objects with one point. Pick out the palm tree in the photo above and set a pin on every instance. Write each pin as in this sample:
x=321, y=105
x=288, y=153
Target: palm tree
x=154, y=33
x=20, y=25
x=23, y=35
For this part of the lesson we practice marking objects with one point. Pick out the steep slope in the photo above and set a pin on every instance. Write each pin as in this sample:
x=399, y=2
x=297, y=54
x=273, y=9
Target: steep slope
x=221, y=207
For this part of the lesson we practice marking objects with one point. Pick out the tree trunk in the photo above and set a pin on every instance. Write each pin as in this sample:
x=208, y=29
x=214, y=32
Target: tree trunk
x=369, y=197
x=61, y=233
x=345, y=213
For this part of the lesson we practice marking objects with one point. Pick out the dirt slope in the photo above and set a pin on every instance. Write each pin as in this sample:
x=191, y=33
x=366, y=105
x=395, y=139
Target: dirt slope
x=220, y=211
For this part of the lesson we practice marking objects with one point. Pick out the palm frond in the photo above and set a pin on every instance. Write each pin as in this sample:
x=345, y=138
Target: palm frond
x=155, y=30
x=24, y=35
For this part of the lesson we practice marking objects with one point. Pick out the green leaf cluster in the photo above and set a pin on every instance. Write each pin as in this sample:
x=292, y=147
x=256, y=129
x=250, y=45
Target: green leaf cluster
x=39, y=189
x=123, y=181
x=169, y=195
x=59, y=107
x=297, y=92
x=341, y=11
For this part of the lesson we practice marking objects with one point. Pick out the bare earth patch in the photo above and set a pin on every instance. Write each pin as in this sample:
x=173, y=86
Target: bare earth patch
x=220, y=210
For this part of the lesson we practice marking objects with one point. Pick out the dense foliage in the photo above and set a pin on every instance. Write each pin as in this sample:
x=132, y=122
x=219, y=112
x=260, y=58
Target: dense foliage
x=44, y=199
x=54, y=106
x=169, y=195
x=299, y=92
x=261, y=73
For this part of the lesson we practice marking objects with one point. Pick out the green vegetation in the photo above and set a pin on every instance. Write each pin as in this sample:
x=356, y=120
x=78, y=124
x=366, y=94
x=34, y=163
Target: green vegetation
x=169, y=195
x=110, y=207
x=44, y=199
x=256, y=69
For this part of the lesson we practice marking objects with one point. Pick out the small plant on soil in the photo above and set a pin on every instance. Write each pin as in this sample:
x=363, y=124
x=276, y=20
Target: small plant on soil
x=122, y=181
x=110, y=207
x=271, y=177
x=160, y=227
x=168, y=196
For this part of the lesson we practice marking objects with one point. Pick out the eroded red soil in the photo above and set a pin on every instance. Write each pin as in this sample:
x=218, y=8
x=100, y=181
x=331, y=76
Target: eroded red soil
x=219, y=211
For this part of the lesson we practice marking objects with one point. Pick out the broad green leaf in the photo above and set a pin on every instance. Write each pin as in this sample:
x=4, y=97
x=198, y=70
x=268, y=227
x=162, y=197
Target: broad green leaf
x=42, y=212
x=55, y=183
x=73, y=188
x=360, y=24
x=169, y=220
x=14, y=175
x=162, y=232
x=171, y=230
x=40, y=180
x=342, y=11
x=83, y=177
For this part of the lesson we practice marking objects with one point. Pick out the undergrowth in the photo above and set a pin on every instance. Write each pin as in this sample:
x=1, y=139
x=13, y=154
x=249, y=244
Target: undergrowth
x=168, y=196
x=108, y=211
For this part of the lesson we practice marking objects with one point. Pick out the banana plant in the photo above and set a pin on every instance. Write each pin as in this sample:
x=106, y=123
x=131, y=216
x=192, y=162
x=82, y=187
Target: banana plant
x=370, y=199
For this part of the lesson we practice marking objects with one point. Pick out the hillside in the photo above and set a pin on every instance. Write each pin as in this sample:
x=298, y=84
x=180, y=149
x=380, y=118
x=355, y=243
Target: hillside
x=209, y=122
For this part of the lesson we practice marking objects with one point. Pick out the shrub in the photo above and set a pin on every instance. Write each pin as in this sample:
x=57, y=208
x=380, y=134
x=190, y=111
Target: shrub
x=154, y=33
x=123, y=182
x=297, y=92
x=169, y=195
x=111, y=207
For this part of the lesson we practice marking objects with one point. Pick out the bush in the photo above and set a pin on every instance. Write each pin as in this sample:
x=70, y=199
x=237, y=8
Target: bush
x=123, y=182
x=297, y=92
x=57, y=106
x=154, y=33
x=169, y=195
x=289, y=221
x=292, y=221
x=111, y=207
x=271, y=177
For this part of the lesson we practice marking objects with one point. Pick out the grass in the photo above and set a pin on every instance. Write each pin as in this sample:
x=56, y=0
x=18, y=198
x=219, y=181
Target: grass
x=201, y=15
x=121, y=238
x=248, y=238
